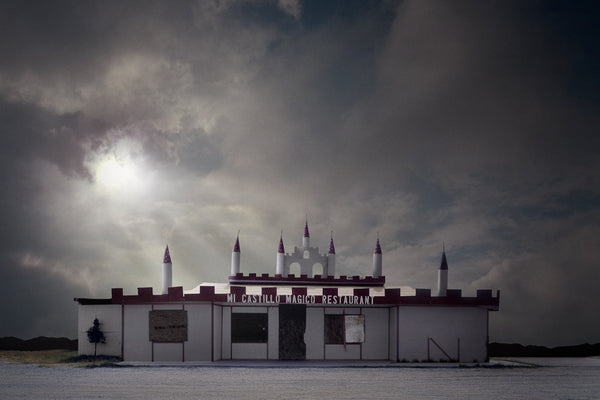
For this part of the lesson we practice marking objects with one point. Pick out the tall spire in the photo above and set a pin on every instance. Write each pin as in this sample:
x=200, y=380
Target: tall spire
x=306, y=234
x=331, y=246
x=236, y=246
x=306, y=238
x=281, y=248
x=377, y=260
x=443, y=274
x=444, y=262
x=377, y=246
x=280, y=267
x=167, y=256
x=331, y=258
x=235, y=256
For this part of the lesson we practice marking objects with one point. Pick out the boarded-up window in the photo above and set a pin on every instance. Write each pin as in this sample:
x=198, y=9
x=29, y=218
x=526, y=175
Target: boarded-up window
x=249, y=328
x=168, y=326
x=340, y=329
x=355, y=328
x=334, y=329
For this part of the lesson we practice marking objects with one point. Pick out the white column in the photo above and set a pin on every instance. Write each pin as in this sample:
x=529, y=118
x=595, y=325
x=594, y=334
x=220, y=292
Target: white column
x=167, y=272
x=167, y=277
x=442, y=282
x=377, y=261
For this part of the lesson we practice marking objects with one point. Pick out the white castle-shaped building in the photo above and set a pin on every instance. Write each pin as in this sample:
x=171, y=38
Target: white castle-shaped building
x=303, y=312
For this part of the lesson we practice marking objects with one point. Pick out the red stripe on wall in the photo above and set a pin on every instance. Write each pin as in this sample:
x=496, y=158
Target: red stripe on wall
x=212, y=331
x=122, y=331
x=397, y=333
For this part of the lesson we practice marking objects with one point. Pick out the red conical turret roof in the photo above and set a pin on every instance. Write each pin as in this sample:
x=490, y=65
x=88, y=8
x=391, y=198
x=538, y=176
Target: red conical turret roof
x=444, y=262
x=377, y=248
x=281, y=248
x=236, y=247
x=167, y=256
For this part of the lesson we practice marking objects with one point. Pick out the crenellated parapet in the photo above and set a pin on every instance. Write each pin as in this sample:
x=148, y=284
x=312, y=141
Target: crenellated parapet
x=306, y=258
x=316, y=280
x=330, y=296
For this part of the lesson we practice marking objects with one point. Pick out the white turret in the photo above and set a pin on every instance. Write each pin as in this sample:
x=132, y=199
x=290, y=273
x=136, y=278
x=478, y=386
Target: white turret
x=377, y=260
x=331, y=258
x=167, y=272
x=306, y=237
x=235, y=257
x=443, y=275
x=280, y=258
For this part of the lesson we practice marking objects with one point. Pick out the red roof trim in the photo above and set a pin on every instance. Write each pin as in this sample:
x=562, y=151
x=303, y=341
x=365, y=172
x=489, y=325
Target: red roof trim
x=392, y=297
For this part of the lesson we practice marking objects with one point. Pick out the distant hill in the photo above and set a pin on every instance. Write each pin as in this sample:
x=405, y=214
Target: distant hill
x=38, y=343
x=495, y=349
x=518, y=350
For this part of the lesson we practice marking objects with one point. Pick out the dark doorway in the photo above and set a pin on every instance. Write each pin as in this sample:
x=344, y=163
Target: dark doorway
x=292, y=324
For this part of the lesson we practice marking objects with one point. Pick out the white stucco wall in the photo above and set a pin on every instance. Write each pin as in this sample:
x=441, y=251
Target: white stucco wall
x=314, y=336
x=341, y=352
x=413, y=324
x=197, y=347
x=218, y=311
x=445, y=325
x=273, y=334
x=376, y=342
x=249, y=351
x=109, y=316
x=168, y=352
x=136, y=346
x=226, y=337
x=392, y=339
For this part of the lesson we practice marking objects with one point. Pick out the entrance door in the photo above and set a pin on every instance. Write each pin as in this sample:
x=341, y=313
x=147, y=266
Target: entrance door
x=292, y=324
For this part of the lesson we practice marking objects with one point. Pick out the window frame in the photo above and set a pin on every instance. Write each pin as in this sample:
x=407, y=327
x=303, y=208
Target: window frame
x=249, y=327
x=344, y=329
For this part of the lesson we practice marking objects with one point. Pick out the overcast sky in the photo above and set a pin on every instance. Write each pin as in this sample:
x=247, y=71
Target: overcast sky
x=125, y=126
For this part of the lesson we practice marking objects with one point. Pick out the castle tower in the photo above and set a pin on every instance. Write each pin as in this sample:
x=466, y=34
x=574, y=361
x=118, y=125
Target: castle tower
x=280, y=258
x=331, y=258
x=235, y=257
x=443, y=275
x=377, y=260
x=306, y=237
x=167, y=272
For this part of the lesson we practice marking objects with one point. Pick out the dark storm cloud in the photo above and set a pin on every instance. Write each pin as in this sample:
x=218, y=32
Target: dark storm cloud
x=42, y=310
x=469, y=123
x=31, y=138
x=31, y=132
x=478, y=89
x=32, y=245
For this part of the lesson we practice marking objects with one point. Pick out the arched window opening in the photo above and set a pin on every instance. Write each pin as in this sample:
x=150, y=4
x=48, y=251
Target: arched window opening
x=317, y=269
x=295, y=269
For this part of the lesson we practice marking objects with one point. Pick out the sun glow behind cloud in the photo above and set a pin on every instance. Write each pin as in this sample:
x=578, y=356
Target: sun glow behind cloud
x=121, y=172
x=113, y=174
